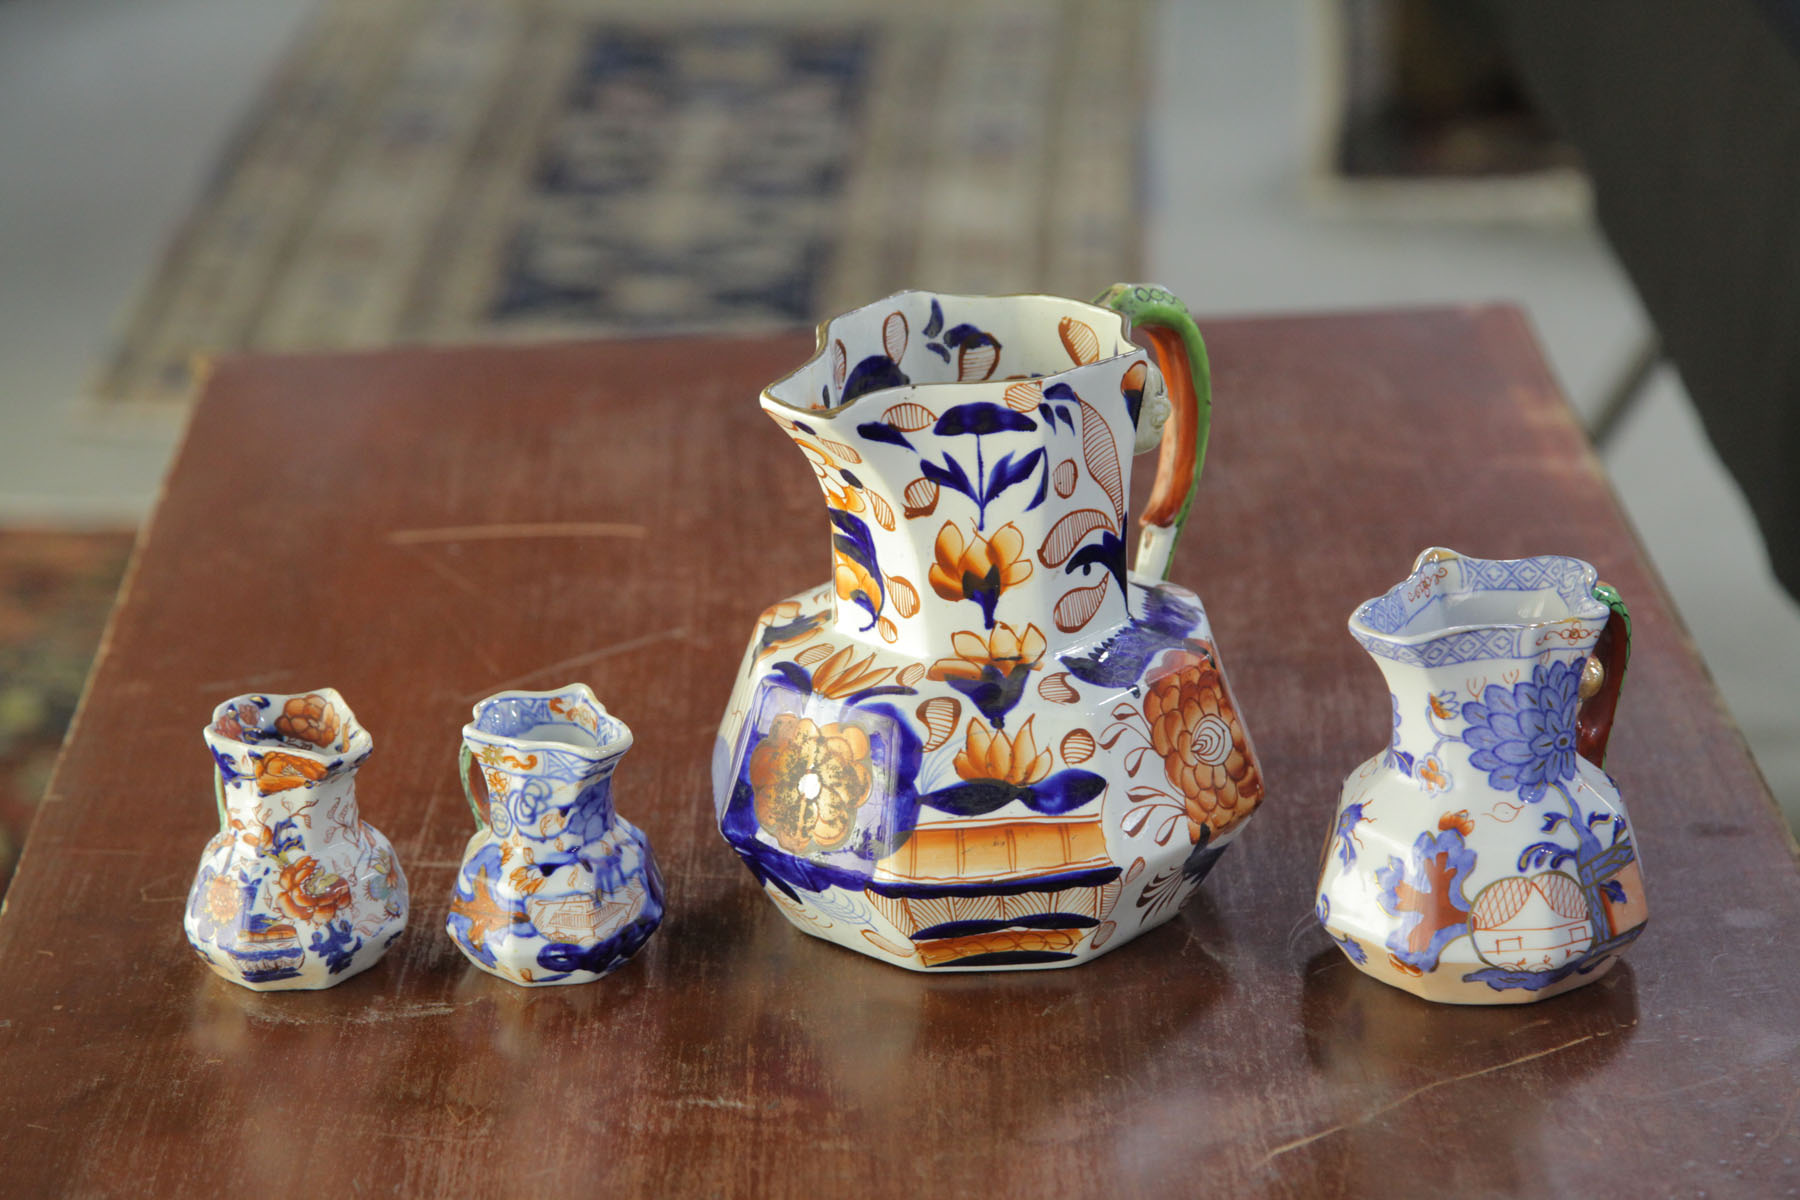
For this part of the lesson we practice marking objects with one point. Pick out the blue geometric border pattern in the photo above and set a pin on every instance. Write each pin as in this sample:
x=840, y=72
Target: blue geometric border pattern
x=1463, y=646
x=1387, y=613
x=1571, y=579
x=1387, y=616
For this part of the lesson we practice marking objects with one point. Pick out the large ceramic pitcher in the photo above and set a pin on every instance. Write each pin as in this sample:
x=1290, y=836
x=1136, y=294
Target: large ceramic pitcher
x=986, y=742
x=555, y=886
x=1484, y=856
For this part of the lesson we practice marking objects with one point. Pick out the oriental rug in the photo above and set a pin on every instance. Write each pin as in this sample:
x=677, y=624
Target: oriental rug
x=461, y=170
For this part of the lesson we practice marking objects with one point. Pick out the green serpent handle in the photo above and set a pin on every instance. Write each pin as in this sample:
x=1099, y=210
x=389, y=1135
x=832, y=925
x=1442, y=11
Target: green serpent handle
x=219, y=795
x=468, y=792
x=1181, y=355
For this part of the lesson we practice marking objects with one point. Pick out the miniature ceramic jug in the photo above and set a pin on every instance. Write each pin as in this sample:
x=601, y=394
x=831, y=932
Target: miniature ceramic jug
x=1484, y=856
x=297, y=890
x=985, y=743
x=555, y=886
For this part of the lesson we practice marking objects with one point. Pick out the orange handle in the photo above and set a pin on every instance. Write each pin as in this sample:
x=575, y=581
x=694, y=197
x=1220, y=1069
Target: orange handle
x=1181, y=355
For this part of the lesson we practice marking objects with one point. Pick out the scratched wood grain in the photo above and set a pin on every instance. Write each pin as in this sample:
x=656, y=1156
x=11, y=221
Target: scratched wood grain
x=421, y=528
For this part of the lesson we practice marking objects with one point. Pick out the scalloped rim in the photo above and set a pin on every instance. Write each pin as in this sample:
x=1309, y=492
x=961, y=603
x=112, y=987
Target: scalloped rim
x=617, y=745
x=358, y=745
x=822, y=342
x=1593, y=610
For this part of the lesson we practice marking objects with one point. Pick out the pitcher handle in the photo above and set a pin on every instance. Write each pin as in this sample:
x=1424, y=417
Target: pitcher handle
x=219, y=795
x=1600, y=700
x=463, y=762
x=1181, y=355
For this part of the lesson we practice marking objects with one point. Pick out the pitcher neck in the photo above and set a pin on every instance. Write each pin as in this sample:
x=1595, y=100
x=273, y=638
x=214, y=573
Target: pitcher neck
x=1431, y=706
x=531, y=785
x=973, y=507
x=942, y=576
x=329, y=801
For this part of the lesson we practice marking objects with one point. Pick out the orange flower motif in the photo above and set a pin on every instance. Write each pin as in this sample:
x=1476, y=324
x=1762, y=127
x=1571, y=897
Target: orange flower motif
x=576, y=712
x=846, y=497
x=990, y=754
x=1459, y=821
x=1441, y=707
x=981, y=568
x=231, y=724
x=809, y=781
x=1004, y=649
x=840, y=493
x=843, y=674
x=224, y=900
x=310, y=896
x=1433, y=775
x=277, y=772
x=308, y=719
x=853, y=582
x=258, y=836
x=1205, y=753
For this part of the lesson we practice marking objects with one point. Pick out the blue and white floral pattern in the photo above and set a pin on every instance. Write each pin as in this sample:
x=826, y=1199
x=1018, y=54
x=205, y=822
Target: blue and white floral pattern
x=1503, y=867
x=1524, y=736
x=555, y=887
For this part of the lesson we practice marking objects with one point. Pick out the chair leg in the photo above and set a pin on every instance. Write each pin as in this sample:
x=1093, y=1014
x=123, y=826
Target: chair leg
x=1626, y=391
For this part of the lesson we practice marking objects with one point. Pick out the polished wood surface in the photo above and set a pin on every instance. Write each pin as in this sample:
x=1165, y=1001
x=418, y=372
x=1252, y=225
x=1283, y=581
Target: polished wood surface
x=422, y=528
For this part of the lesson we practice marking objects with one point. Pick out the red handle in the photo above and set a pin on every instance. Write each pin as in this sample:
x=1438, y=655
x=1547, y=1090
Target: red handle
x=1612, y=651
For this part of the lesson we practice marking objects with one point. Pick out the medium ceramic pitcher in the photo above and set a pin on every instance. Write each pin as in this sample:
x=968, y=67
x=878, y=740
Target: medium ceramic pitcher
x=555, y=886
x=1484, y=857
x=986, y=743
x=296, y=890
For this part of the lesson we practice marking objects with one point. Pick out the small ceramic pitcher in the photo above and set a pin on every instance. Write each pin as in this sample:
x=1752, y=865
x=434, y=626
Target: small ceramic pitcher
x=555, y=886
x=1485, y=857
x=297, y=890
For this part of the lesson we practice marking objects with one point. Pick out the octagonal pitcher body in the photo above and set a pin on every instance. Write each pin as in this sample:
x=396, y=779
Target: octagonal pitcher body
x=296, y=891
x=1485, y=857
x=986, y=742
x=554, y=886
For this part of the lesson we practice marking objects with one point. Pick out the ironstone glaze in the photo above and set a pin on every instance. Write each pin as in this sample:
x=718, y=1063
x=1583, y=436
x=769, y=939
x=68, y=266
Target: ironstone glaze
x=555, y=886
x=986, y=743
x=1484, y=857
x=296, y=890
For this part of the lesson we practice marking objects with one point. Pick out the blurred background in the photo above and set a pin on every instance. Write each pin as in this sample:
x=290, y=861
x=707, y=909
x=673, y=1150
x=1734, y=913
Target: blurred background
x=184, y=177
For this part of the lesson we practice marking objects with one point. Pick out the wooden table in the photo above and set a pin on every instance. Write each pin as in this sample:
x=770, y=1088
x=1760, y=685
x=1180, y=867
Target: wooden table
x=421, y=528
